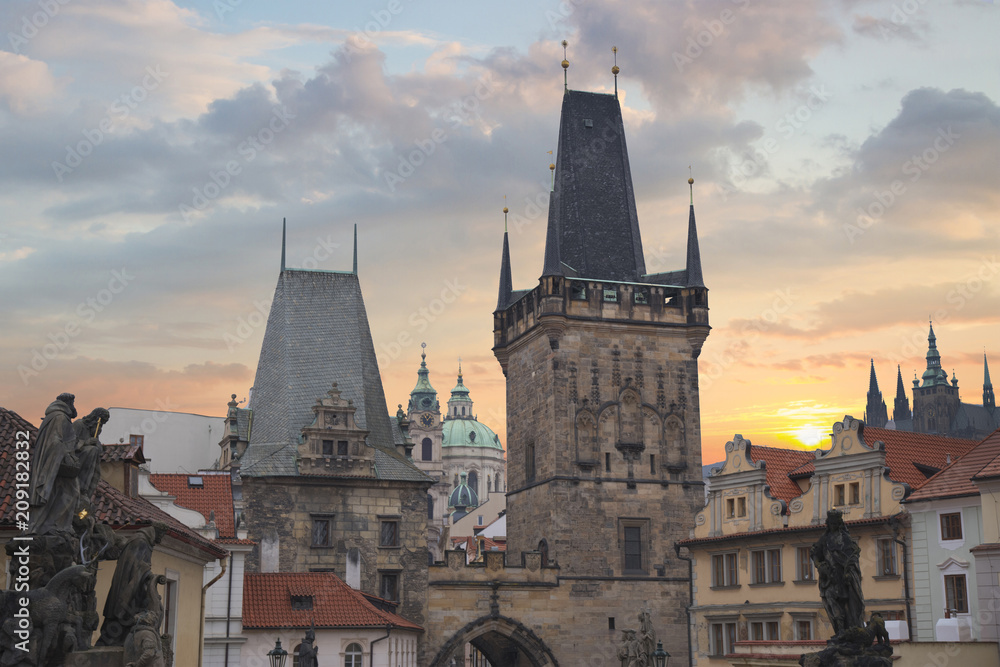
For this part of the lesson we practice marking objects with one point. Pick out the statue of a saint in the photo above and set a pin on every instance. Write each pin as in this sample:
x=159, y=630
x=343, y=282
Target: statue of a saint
x=54, y=488
x=647, y=638
x=836, y=557
x=88, y=452
x=307, y=651
x=133, y=587
x=142, y=645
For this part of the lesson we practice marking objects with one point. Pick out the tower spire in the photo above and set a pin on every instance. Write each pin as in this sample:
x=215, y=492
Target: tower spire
x=934, y=374
x=565, y=66
x=282, y=244
x=355, y=270
x=694, y=276
x=989, y=400
x=506, y=285
x=901, y=405
x=875, y=412
x=615, y=70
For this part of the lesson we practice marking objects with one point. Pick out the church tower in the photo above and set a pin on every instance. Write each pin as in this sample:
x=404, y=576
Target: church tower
x=989, y=401
x=901, y=404
x=603, y=424
x=935, y=401
x=875, y=411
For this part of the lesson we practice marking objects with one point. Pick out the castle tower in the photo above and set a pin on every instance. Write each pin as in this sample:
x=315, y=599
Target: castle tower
x=901, y=405
x=603, y=425
x=875, y=411
x=935, y=400
x=989, y=401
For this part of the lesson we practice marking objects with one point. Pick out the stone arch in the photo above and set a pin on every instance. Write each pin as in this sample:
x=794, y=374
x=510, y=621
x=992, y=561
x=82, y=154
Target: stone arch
x=652, y=434
x=630, y=417
x=495, y=637
x=586, y=436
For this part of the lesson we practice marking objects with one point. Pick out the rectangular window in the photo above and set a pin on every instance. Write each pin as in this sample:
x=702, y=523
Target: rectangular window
x=766, y=566
x=886, y=557
x=773, y=631
x=724, y=570
x=804, y=564
x=759, y=567
x=389, y=534
x=328, y=448
x=633, y=548
x=855, y=493
x=803, y=630
x=322, y=533
x=529, y=462
x=774, y=565
x=135, y=439
x=838, y=495
x=578, y=291
x=730, y=508
x=341, y=448
x=954, y=593
x=652, y=464
x=389, y=586
x=640, y=297
x=723, y=638
x=607, y=462
x=741, y=506
x=951, y=526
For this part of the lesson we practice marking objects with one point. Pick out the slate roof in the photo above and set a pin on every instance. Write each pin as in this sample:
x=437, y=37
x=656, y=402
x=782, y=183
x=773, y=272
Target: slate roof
x=593, y=229
x=904, y=450
x=971, y=418
x=214, y=495
x=778, y=463
x=244, y=418
x=956, y=480
x=111, y=506
x=267, y=603
x=317, y=334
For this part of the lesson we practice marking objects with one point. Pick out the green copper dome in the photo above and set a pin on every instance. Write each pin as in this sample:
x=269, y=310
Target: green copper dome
x=469, y=433
x=423, y=396
x=464, y=496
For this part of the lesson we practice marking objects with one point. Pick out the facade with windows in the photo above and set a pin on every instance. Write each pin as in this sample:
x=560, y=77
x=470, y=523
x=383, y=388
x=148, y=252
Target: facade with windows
x=753, y=575
x=956, y=544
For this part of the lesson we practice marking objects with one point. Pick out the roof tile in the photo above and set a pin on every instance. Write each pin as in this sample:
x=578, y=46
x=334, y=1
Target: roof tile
x=956, y=480
x=214, y=495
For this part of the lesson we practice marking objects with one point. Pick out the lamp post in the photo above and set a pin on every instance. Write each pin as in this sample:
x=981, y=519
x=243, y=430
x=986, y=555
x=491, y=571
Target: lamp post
x=277, y=656
x=661, y=657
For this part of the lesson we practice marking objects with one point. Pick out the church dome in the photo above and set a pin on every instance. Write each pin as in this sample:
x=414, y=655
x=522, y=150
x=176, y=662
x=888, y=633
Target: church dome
x=464, y=496
x=469, y=433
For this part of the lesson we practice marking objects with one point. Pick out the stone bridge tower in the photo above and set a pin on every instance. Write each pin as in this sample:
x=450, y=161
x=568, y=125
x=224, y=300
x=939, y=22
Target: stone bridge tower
x=604, y=435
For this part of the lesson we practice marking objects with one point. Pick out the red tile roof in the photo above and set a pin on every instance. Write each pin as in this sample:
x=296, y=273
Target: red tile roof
x=956, y=480
x=267, y=603
x=778, y=464
x=992, y=469
x=903, y=449
x=112, y=507
x=122, y=452
x=214, y=495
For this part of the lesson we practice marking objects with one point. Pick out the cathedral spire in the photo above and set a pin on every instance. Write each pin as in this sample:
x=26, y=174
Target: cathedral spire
x=694, y=277
x=989, y=400
x=506, y=288
x=901, y=406
x=423, y=396
x=934, y=375
x=875, y=412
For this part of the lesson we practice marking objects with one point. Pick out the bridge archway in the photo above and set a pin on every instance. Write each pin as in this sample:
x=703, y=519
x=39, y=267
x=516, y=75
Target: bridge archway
x=504, y=641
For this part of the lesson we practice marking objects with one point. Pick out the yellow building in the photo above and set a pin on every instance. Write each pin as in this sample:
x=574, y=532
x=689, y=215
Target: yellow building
x=754, y=586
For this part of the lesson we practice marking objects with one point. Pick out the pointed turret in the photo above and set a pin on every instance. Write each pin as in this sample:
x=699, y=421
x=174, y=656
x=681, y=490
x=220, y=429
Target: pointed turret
x=989, y=401
x=282, y=244
x=460, y=405
x=901, y=406
x=694, y=277
x=423, y=396
x=506, y=286
x=934, y=375
x=593, y=229
x=875, y=413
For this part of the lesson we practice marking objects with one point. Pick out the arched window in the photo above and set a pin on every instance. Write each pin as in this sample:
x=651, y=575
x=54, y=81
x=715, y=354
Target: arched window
x=430, y=506
x=353, y=655
x=295, y=655
x=474, y=482
x=426, y=449
x=543, y=548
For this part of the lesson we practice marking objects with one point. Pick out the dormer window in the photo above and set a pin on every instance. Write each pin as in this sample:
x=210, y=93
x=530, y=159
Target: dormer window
x=302, y=602
x=195, y=482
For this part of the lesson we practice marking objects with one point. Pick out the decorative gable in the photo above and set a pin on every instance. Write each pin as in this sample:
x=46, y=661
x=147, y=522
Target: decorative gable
x=334, y=444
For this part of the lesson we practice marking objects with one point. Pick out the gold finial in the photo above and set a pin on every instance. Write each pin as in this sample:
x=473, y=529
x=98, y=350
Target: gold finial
x=505, y=214
x=565, y=65
x=615, y=70
x=691, y=184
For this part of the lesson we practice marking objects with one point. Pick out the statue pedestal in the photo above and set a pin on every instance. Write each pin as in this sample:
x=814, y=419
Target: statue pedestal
x=851, y=648
x=99, y=656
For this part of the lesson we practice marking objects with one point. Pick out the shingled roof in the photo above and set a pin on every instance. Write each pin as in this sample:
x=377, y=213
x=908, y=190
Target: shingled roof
x=215, y=494
x=317, y=334
x=956, y=480
x=111, y=506
x=778, y=463
x=267, y=603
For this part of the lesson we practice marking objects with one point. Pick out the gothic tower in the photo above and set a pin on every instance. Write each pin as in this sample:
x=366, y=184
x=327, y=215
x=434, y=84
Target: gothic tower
x=935, y=401
x=875, y=411
x=901, y=405
x=989, y=400
x=603, y=425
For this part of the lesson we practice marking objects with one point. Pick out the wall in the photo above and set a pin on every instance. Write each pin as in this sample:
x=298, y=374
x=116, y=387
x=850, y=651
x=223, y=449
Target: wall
x=173, y=441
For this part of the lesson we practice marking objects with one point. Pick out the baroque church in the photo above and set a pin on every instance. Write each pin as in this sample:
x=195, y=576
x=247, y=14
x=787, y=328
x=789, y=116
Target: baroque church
x=937, y=406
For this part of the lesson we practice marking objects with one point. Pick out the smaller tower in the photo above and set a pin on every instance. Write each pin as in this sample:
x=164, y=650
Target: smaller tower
x=875, y=412
x=989, y=401
x=935, y=399
x=901, y=406
x=460, y=405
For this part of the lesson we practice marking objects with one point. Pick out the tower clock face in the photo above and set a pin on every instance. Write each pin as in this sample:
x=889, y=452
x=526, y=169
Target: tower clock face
x=426, y=420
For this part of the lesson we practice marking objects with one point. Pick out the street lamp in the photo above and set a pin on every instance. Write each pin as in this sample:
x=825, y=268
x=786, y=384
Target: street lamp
x=661, y=657
x=277, y=655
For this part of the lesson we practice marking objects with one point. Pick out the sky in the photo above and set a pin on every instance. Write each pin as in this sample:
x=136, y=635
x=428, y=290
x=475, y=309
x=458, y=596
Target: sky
x=846, y=157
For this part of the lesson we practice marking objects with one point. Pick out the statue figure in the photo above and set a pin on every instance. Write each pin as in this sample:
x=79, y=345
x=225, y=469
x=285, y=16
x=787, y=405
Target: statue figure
x=54, y=486
x=647, y=638
x=628, y=649
x=836, y=557
x=307, y=652
x=88, y=451
x=142, y=645
x=876, y=626
x=133, y=587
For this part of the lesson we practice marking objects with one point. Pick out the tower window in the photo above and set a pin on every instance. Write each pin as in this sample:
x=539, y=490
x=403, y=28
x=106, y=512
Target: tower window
x=328, y=448
x=611, y=295
x=426, y=449
x=341, y=448
x=430, y=506
x=474, y=482
x=607, y=462
x=529, y=462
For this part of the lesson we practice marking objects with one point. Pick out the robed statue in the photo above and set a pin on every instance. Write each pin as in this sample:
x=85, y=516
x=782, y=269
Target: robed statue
x=836, y=556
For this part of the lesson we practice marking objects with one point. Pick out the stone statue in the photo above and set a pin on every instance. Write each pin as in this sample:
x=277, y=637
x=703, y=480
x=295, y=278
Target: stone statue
x=876, y=626
x=307, y=652
x=628, y=649
x=647, y=638
x=88, y=452
x=54, y=488
x=142, y=645
x=836, y=557
x=133, y=587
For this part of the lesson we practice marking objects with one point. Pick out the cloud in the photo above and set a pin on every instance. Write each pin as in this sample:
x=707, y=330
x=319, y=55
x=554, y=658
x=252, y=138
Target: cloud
x=26, y=86
x=911, y=30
